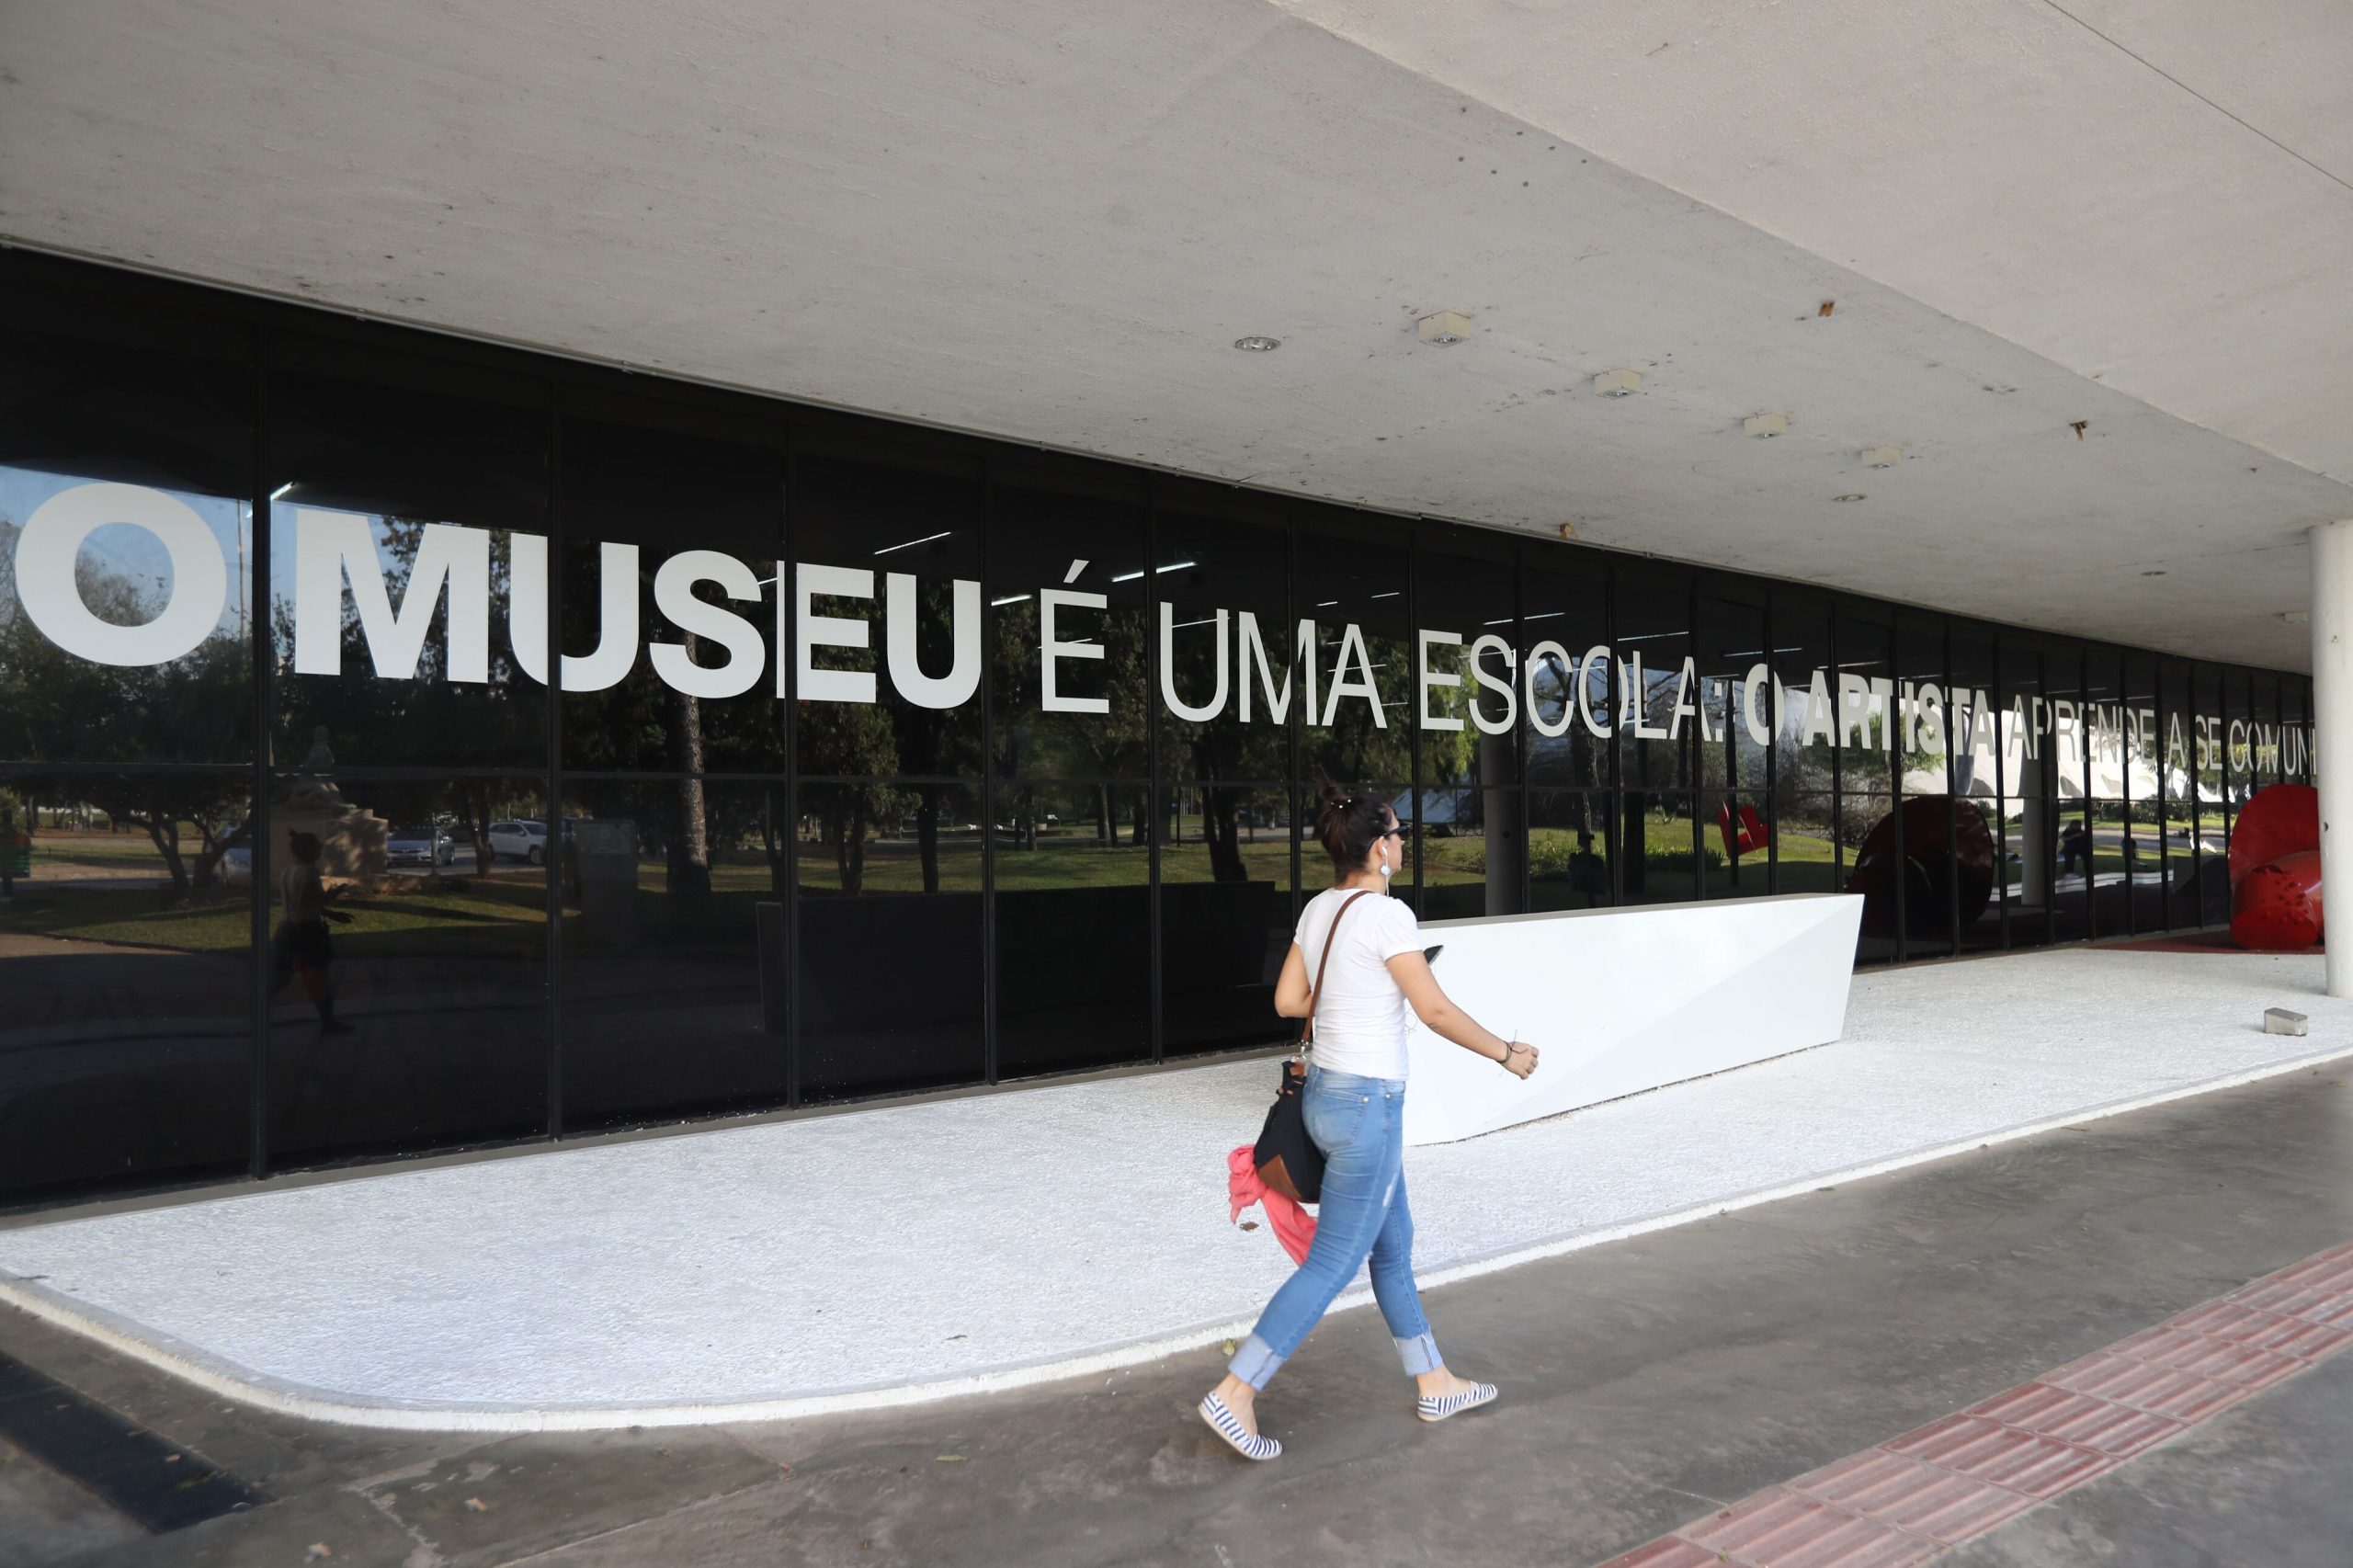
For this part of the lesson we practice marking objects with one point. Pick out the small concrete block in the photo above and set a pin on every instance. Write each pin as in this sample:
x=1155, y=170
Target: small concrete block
x=2279, y=1020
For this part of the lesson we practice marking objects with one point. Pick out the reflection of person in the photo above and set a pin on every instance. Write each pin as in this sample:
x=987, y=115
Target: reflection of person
x=2074, y=846
x=1356, y=1106
x=300, y=943
x=1588, y=872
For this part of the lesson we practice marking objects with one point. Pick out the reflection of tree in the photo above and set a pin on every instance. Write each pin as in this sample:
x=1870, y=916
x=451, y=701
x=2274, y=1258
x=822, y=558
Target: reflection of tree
x=853, y=738
x=96, y=719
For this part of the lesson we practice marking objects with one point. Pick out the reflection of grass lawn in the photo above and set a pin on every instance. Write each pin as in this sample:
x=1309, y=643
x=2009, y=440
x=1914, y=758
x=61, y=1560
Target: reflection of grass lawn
x=113, y=851
x=493, y=915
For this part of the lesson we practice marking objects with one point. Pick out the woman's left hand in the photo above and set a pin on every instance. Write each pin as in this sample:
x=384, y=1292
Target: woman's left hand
x=1519, y=1059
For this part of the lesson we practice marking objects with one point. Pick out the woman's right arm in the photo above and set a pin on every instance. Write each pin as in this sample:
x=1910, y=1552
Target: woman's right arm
x=1291, y=988
x=1444, y=1019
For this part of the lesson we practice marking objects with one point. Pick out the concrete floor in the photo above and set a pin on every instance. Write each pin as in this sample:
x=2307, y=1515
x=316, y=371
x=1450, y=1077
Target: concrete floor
x=720, y=1275
x=1645, y=1382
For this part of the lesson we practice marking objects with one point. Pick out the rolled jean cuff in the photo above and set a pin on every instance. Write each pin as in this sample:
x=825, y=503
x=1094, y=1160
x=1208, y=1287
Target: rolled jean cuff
x=1254, y=1362
x=1419, y=1354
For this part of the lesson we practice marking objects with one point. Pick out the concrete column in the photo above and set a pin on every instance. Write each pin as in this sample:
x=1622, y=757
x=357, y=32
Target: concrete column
x=2332, y=731
x=2034, y=854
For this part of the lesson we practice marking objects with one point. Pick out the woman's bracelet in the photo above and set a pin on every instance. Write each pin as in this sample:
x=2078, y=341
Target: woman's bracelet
x=1511, y=1048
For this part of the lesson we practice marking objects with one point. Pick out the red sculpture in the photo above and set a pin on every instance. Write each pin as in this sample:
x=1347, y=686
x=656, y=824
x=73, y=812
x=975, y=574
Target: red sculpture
x=1744, y=832
x=2274, y=871
x=1932, y=884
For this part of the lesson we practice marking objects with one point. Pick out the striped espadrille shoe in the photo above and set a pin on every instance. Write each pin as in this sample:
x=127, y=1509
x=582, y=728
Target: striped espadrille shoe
x=1227, y=1425
x=1439, y=1406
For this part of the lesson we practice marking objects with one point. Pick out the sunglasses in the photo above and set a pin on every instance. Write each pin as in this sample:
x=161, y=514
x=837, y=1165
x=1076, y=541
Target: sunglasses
x=1394, y=830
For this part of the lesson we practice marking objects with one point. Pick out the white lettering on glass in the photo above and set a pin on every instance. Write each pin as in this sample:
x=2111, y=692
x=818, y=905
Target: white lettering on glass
x=1360, y=685
x=331, y=547
x=1204, y=713
x=51, y=542
x=1429, y=681
x=902, y=621
x=831, y=632
x=1551, y=655
x=1497, y=684
x=1751, y=715
x=1053, y=649
x=674, y=596
x=527, y=616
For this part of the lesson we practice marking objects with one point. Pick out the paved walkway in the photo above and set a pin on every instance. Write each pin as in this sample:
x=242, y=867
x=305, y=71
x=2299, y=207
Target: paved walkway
x=1648, y=1384
x=928, y=1250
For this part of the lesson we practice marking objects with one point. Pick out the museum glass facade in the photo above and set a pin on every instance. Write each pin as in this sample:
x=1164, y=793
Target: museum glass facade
x=672, y=752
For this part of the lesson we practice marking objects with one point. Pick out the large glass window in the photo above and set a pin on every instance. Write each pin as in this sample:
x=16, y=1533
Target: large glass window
x=558, y=749
x=1983, y=862
x=125, y=943
x=888, y=929
x=1361, y=681
x=408, y=962
x=398, y=490
x=1734, y=741
x=126, y=612
x=1229, y=705
x=676, y=970
x=1069, y=585
x=1473, y=840
x=670, y=593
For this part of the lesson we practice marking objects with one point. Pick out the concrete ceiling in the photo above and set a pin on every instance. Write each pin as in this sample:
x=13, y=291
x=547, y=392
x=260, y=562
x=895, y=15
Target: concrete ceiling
x=1051, y=224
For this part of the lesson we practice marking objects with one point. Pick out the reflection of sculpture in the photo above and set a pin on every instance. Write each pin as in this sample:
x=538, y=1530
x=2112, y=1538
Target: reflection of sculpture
x=315, y=791
x=2274, y=871
x=351, y=839
x=1932, y=881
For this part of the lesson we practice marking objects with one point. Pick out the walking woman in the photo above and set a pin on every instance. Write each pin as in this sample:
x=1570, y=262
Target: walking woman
x=1355, y=1113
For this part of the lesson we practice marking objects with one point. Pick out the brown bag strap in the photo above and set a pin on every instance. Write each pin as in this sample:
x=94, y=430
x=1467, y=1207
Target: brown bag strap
x=1315, y=993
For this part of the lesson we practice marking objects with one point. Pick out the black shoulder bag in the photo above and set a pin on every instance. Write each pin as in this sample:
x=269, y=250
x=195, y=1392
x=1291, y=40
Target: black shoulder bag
x=1288, y=1160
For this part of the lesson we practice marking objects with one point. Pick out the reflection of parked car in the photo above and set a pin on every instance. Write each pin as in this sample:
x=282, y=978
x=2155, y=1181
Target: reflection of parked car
x=424, y=845
x=236, y=864
x=522, y=840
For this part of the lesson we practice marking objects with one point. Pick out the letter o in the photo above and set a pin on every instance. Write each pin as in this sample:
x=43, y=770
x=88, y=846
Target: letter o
x=1538, y=657
x=50, y=543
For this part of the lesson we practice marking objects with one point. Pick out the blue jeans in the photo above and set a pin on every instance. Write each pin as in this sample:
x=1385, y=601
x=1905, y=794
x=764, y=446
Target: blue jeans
x=1360, y=1124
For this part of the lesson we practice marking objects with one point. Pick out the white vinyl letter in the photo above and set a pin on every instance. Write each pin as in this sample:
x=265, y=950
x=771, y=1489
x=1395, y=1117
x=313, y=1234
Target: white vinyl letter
x=1253, y=652
x=674, y=595
x=51, y=542
x=1343, y=684
x=330, y=547
x=1758, y=731
x=1593, y=724
x=901, y=614
x=1510, y=693
x=1216, y=704
x=1429, y=681
x=1558, y=657
x=1053, y=650
x=831, y=632
x=527, y=616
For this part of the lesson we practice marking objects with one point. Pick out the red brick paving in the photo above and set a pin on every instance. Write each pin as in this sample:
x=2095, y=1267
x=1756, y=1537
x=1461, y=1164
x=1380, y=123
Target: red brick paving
x=1913, y=1498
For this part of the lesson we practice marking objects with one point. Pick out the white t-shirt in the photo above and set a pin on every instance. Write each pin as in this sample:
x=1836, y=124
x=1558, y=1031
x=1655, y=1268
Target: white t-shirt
x=1360, y=1016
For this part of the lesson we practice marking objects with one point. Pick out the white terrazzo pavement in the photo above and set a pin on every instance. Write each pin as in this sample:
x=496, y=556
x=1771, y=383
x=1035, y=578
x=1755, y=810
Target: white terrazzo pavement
x=907, y=1251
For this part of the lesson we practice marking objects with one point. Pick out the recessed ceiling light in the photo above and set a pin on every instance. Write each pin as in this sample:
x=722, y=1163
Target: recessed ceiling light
x=1848, y=497
x=1765, y=426
x=1255, y=344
